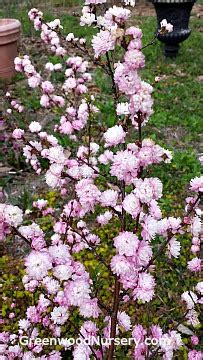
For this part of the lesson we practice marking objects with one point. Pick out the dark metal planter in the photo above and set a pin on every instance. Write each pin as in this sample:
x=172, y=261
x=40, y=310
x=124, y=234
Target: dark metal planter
x=177, y=13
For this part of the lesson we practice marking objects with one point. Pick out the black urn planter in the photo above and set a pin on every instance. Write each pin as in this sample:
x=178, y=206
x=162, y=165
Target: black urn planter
x=176, y=12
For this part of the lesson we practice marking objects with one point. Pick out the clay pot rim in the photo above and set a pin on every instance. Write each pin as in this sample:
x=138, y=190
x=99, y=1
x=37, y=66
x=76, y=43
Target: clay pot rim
x=9, y=25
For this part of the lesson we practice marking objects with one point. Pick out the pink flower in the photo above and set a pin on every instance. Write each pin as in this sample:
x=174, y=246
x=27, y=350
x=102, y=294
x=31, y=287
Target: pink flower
x=59, y=254
x=109, y=198
x=82, y=351
x=89, y=308
x=125, y=166
x=169, y=342
x=129, y=279
x=148, y=189
x=199, y=287
x=51, y=285
x=124, y=320
x=34, y=13
x=131, y=204
x=144, y=253
x=195, y=355
x=70, y=84
x=18, y=134
x=127, y=80
x=194, y=340
x=126, y=243
x=33, y=314
x=37, y=264
x=35, y=234
x=34, y=81
x=88, y=194
x=35, y=127
x=54, y=154
x=44, y=101
x=63, y=272
x=40, y=204
x=102, y=43
x=103, y=219
x=194, y=265
x=135, y=32
x=149, y=228
x=140, y=352
x=12, y=215
x=11, y=315
x=88, y=329
x=77, y=291
x=87, y=19
x=174, y=248
x=192, y=318
x=156, y=331
x=134, y=59
x=145, y=288
x=117, y=14
x=114, y=136
x=59, y=315
x=139, y=332
x=142, y=102
x=196, y=184
x=58, y=101
x=106, y=157
x=43, y=303
x=154, y=210
x=119, y=265
x=24, y=324
x=47, y=87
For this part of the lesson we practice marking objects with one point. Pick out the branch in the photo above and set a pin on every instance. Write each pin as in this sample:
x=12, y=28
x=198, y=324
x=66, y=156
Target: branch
x=114, y=87
x=152, y=42
x=98, y=256
x=20, y=235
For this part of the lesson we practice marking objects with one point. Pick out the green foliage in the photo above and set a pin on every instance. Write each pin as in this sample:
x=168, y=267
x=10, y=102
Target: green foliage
x=13, y=292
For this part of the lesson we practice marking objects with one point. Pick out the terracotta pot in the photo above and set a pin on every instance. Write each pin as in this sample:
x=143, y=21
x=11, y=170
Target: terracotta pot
x=9, y=35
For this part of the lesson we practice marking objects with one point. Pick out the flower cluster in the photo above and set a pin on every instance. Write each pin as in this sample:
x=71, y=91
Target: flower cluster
x=169, y=342
x=10, y=216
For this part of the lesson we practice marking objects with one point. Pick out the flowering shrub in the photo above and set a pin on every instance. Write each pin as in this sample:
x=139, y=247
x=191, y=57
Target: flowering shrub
x=105, y=179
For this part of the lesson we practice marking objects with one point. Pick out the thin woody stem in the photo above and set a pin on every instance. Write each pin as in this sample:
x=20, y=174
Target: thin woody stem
x=20, y=235
x=152, y=42
x=114, y=317
x=114, y=87
x=117, y=288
